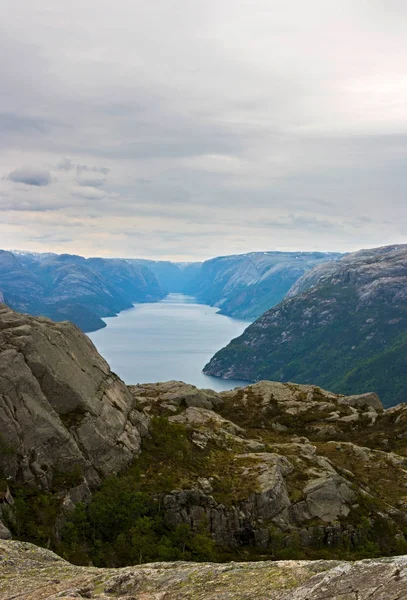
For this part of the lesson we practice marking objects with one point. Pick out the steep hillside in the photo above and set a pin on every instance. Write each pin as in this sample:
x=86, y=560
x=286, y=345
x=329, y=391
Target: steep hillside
x=69, y=287
x=343, y=326
x=245, y=285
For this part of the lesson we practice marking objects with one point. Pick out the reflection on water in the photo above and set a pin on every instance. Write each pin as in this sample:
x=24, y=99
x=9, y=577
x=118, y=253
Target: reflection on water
x=171, y=339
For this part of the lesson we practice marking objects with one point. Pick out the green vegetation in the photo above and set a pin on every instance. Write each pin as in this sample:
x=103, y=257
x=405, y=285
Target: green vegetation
x=329, y=340
x=125, y=522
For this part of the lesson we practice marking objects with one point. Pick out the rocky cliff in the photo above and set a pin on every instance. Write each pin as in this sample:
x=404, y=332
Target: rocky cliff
x=117, y=475
x=342, y=326
x=31, y=573
x=65, y=419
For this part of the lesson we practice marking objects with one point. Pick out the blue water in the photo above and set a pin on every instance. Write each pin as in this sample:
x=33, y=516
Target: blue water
x=171, y=339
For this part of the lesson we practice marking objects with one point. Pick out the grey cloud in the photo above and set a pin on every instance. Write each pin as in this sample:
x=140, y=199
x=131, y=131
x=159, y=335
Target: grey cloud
x=12, y=123
x=30, y=176
x=89, y=193
x=25, y=205
x=270, y=129
x=88, y=180
x=65, y=164
x=87, y=169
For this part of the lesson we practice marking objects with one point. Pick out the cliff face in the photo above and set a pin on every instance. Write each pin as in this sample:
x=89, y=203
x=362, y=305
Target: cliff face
x=62, y=411
x=342, y=326
x=33, y=573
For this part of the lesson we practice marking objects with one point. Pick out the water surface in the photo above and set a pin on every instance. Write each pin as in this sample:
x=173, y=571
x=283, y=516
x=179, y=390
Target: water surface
x=171, y=339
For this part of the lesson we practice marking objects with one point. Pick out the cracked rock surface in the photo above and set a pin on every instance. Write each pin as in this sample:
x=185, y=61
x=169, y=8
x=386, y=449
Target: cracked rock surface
x=31, y=573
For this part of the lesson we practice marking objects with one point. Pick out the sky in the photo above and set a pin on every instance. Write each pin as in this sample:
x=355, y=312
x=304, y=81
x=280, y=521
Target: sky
x=186, y=129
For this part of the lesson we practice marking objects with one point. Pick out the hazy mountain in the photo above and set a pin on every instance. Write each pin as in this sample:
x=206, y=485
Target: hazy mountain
x=70, y=287
x=174, y=277
x=245, y=285
x=345, y=329
x=242, y=285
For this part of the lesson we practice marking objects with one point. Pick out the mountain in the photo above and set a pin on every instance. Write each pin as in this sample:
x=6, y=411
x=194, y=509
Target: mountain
x=70, y=287
x=174, y=277
x=245, y=285
x=343, y=326
x=33, y=573
x=114, y=475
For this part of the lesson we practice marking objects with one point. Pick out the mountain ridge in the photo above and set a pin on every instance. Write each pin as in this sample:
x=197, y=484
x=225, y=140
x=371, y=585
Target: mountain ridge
x=71, y=287
x=336, y=325
x=84, y=290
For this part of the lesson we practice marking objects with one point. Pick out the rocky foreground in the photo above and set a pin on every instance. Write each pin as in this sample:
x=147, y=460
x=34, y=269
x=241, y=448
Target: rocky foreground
x=31, y=573
x=272, y=470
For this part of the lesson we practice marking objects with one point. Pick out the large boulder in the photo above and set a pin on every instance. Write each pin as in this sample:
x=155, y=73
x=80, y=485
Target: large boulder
x=61, y=408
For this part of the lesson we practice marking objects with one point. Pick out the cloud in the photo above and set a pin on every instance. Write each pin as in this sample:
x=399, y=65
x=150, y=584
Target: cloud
x=17, y=124
x=87, y=169
x=91, y=181
x=30, y=176
x=65, y=164
x=89, y=192
x=245, y=125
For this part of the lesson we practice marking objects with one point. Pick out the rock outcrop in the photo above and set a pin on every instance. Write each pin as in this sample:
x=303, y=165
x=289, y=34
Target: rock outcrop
x=285, y=460
x=31, y=573
x=271, y=468
x=343, y=326
x=61, y=408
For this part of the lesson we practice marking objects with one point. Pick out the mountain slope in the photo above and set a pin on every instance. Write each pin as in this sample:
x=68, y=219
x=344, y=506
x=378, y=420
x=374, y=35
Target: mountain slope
x=245, y=285
x=242, y=285
x=346, y=330
x=70, y=287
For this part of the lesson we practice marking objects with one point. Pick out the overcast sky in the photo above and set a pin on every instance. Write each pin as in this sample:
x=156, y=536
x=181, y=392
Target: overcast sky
x=187, y=129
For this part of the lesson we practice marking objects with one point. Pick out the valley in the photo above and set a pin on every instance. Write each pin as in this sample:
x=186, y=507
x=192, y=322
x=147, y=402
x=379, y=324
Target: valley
x=170, y=339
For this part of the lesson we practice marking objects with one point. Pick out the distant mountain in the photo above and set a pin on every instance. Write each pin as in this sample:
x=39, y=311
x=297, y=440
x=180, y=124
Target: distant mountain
x=70, y=287
x=245, y=285
x=343, y=326
x=174, y=277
